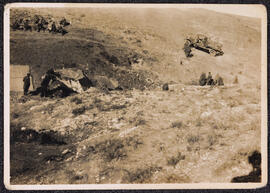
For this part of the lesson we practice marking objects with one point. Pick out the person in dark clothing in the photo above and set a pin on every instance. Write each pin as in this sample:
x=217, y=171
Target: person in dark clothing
x=54, y=29
x=45, y=83
x=210, y=80
x=50, y=75
x=203, y=79
x=26, y=84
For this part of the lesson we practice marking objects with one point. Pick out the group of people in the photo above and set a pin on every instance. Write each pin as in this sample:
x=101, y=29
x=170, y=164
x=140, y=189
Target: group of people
x=38, y=23
x=43, y=89
x=209, y=80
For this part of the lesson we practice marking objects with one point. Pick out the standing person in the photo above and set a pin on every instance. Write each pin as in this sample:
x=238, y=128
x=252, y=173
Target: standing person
x=26, y=83
x=50, y=75
x=203, y=79
x=45, y=83
x=210, y=80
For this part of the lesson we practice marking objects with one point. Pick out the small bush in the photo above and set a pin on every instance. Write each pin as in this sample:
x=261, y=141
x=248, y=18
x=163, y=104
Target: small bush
x=141, y=175
x=193, y=139
x=173, y=161
x=76, y=100
x=97, y=100
x=116, y=107
x=235, y=80
x=212, y=140
x=140, y=121
x=177, y=124
x=112, y=149
x=15, y=115
x=78, y=111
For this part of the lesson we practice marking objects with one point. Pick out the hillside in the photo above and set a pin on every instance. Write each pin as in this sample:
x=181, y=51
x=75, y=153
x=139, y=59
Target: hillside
x=188, y=134
x=154, y=35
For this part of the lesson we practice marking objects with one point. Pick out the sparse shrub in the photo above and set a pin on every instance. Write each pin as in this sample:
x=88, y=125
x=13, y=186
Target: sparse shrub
x=15, y=115
x=112, y=149
x=235, y=80
x=141, y=175
x=189, y=148
x=212, y=140
x=103, y=107
x=78, y=111
x=177, y=124
x=134, y=141
x=76, y=100
x=117, y=107
x=140, y=121
x=145, y=52
x=97, y=100
x=113, y=59
x=193, y=139
x=173, y=161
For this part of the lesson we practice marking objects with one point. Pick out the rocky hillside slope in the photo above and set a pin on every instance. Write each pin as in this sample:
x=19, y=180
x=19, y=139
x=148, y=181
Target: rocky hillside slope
x=99, y=38
x=188, y=134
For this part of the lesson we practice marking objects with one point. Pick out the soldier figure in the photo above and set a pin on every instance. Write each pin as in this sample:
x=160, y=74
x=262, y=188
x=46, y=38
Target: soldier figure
x=203, y=79
x=210, y=80
x=26, y=25
x=54, y=29
x=50, y=75
x=45, y=83
x=26, y=83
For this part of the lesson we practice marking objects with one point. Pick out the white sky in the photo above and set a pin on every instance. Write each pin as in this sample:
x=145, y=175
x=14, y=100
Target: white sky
x=258, y=11
x=250, y=10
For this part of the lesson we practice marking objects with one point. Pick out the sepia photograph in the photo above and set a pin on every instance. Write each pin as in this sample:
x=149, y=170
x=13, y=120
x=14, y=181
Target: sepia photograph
x=131, y=96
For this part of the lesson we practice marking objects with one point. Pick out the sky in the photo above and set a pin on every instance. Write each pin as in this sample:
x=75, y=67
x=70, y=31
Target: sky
x=250, y=10
x=257, y=11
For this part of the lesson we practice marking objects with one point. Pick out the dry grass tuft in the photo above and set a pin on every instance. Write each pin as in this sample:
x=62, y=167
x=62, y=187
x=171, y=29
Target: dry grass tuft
x=78, y=111
x=173, y=161
x=76, y=100
x=177, y=124
x=141, y=175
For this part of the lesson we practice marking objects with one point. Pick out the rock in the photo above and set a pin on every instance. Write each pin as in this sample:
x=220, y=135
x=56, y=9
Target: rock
x=165, y=86
x=65, y=151
x=23, y=128
x=206, y=114
x=127, y=131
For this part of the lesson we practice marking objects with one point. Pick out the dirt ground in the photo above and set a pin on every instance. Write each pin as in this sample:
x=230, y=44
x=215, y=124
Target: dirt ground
x=185, y=135
x=188, y=134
